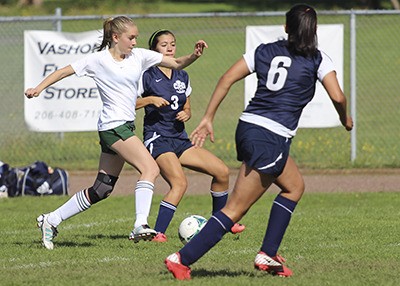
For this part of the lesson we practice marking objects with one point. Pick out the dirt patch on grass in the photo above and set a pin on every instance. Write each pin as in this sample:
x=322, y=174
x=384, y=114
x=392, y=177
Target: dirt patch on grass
x=354, y=180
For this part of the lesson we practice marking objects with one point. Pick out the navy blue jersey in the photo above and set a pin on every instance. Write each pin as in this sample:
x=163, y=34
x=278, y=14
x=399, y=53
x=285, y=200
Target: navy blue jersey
x=286, y=83
x=176, y=89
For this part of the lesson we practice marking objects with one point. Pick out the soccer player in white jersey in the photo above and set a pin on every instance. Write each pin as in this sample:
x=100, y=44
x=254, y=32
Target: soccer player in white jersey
x=116, y=69
x=166, y=97
x=287, y=71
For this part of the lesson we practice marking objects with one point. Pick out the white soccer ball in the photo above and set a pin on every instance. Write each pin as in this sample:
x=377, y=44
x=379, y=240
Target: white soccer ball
x=190, y=226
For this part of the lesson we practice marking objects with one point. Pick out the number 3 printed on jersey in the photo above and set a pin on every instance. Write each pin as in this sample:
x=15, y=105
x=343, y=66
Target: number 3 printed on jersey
x=278, y=73
x=174, y=102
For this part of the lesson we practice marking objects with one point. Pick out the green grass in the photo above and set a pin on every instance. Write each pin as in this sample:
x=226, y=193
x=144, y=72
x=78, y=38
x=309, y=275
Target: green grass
x=333, y=239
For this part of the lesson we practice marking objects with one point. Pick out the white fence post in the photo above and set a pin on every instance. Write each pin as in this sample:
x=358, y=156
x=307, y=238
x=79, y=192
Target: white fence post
x=58, y=27
x=353, y=85
x=57, y=23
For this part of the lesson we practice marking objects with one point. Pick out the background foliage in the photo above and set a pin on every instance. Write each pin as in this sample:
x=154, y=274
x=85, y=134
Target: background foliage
x=80, y=7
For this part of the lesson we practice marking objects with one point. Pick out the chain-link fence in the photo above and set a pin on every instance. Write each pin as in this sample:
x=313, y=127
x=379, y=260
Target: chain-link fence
x=371, y=72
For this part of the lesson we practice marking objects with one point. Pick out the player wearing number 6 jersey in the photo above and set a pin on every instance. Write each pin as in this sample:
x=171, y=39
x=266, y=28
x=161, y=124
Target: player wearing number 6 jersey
x=165, y=95
x=287, y=72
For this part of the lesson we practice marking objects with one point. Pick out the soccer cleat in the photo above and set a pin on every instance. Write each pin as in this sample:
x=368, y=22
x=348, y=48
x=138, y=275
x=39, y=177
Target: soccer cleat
x=273, y=265
x=48, y=231
x=160, y=237
x=174, y=265
x=237, y=228
x=143, y=232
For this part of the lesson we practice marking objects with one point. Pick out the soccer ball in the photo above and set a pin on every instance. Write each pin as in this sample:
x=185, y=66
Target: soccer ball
x=190, y=226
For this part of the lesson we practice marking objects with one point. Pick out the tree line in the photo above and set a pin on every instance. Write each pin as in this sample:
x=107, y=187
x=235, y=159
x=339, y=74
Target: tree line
x=263, y=4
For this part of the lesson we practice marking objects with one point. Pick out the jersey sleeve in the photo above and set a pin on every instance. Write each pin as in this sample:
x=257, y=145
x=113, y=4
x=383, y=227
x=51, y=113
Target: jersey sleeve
x=249, y=57
x=188, y=89
x=325, y=67
x=85, y=65
x=80, y=66
x=140, y=85
x=150, y=58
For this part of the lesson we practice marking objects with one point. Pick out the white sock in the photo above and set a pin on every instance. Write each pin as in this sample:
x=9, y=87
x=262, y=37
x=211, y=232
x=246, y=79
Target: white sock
x=143, y=198
x=78, y=203
x=219, y=194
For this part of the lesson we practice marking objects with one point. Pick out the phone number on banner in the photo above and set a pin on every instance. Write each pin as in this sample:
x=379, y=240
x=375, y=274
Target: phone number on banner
x=66, y=114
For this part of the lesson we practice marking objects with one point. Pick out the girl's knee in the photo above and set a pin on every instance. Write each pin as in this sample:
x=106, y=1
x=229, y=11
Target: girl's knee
x=155, y=171
x=150, y=172
x=300, y=187
x=221, y=175
x=295, y=192
x=179, y=185
x=176, y=192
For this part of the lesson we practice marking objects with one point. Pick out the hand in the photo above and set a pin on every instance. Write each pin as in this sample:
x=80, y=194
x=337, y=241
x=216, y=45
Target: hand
x=199, y=47
x=182, y=116
x=31, y=92
x=159, y=101
x=199, y=135
x=349, y=123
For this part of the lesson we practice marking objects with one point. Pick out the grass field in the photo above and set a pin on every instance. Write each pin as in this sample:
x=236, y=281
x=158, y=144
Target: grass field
x=333, y=239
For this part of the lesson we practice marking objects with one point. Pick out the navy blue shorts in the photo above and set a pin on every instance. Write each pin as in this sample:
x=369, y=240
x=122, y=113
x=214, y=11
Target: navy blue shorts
x=158, y=144
x=261, y=149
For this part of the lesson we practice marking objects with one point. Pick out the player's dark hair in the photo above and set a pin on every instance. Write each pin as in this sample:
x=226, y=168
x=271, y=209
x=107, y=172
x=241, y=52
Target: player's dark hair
x=301, y=26
x=117, y=25
x=153, y=41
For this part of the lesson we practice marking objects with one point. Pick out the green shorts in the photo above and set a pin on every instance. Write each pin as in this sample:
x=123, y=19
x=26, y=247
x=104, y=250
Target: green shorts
x=109, y=137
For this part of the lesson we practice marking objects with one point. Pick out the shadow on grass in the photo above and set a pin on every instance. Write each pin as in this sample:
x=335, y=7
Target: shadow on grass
x=102, y=236
x=80, y=244
x=220, y=273
x=60, y=244
x=72, y=244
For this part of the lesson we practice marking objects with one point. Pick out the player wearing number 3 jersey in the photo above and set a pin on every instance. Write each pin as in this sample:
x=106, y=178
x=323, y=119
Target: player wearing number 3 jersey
x=287, y=72
x=166, y=97
x=175, y=90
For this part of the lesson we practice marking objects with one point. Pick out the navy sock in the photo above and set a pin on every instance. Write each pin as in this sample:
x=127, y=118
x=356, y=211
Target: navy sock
x=165, y=214
x=281, y=213
x=218, y=200
x=216, y=227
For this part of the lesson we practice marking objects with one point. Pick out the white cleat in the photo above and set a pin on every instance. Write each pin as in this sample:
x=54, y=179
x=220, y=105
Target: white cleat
x=48, y=231
x=143, y=232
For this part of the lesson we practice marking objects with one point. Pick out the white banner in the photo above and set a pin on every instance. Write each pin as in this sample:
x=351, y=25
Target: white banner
x=320, y=112
x=72, y=104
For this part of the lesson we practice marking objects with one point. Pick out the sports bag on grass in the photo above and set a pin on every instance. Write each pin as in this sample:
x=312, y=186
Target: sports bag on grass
x=37, y=179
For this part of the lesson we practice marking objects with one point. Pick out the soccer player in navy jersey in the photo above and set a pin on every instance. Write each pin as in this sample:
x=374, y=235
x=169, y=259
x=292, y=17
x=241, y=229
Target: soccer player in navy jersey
x=165, y=96
x=287, y=71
